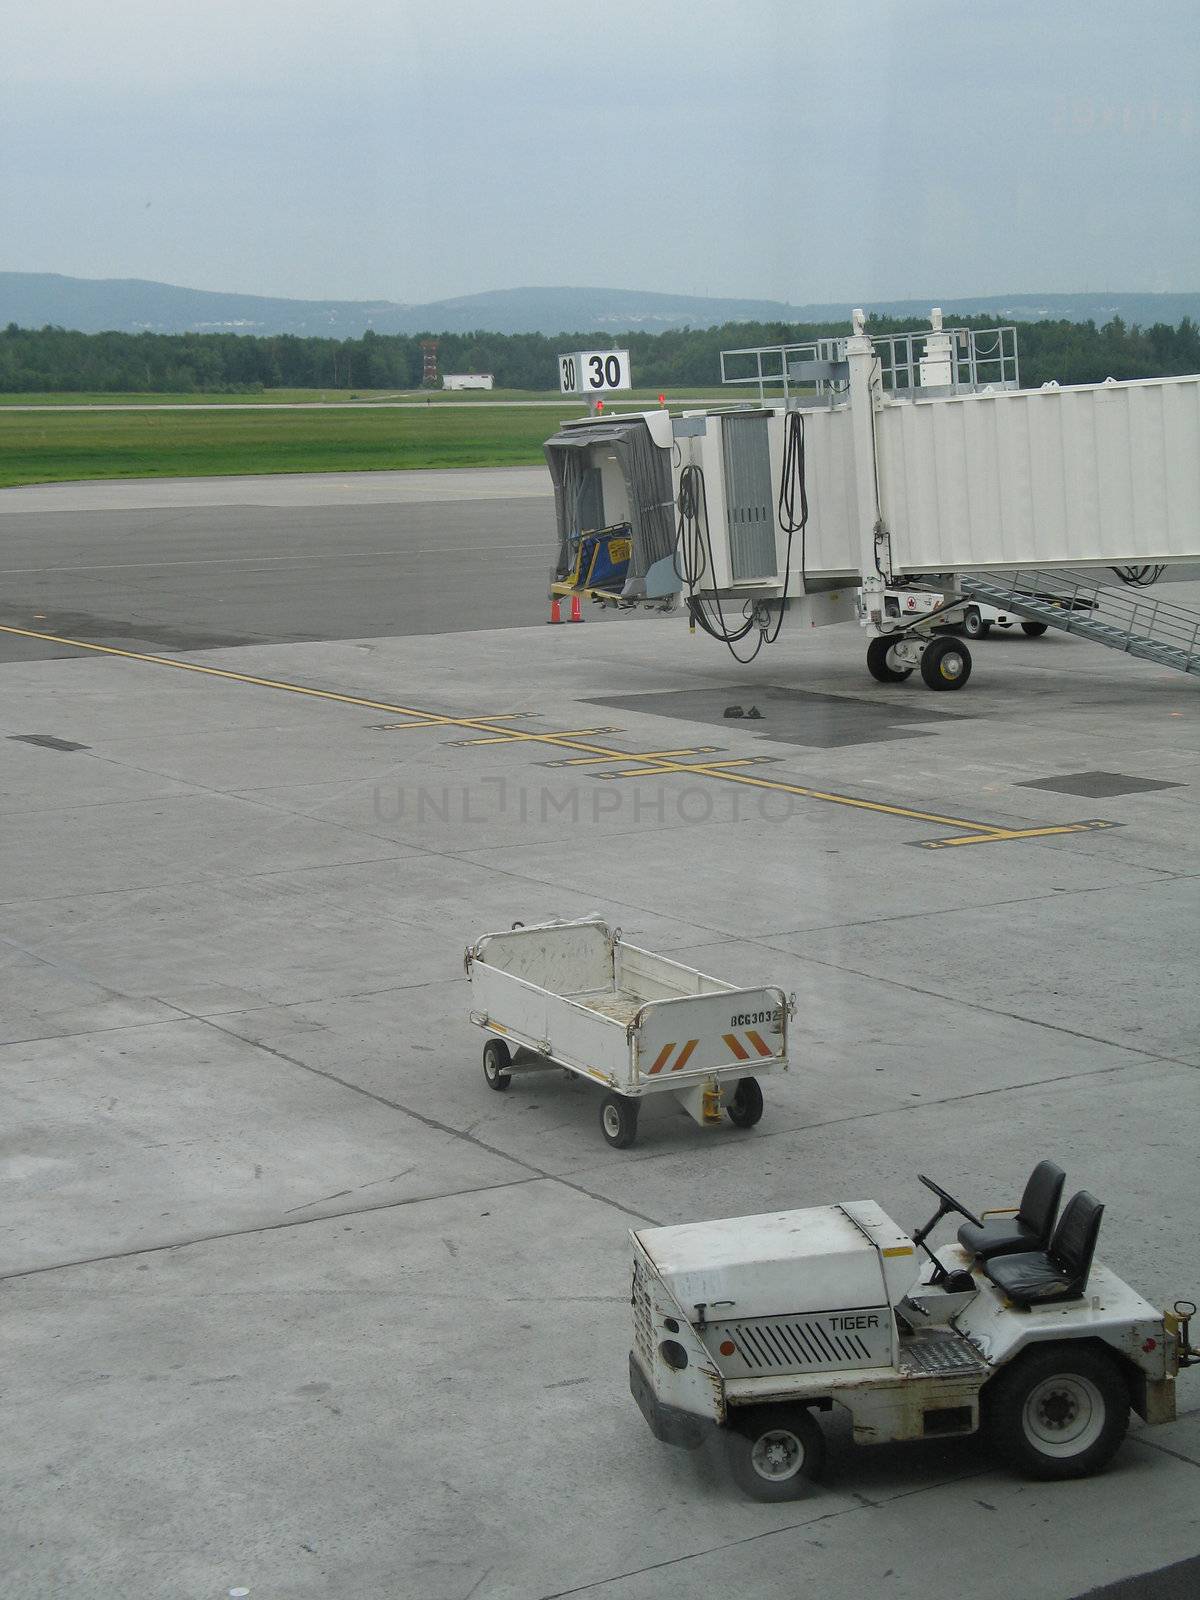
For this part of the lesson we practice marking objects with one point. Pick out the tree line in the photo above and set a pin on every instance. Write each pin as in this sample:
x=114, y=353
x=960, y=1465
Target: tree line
x=55, y=359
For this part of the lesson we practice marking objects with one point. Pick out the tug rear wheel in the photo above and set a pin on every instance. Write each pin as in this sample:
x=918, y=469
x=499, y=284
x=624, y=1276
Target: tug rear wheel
x=619, y=1120
x=775, y=1454
x=745, y=1106
x=1059, y=1411
x=496, y=1060
x=1035, y=630
x=973, y=624
x=945, y=664
x=877, y=661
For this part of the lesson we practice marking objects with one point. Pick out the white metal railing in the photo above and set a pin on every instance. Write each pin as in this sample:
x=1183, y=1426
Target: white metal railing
x=971, y=358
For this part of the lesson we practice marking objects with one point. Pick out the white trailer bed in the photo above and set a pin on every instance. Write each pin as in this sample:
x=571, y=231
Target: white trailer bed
x=576, y=995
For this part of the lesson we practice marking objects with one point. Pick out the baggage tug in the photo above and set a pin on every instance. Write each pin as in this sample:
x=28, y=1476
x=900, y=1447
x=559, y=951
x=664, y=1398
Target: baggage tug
x=746, y=1327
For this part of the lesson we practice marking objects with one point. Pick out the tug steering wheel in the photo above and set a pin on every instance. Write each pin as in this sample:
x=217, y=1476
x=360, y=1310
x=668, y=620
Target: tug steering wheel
x=949, y=1203
x=942, y=1277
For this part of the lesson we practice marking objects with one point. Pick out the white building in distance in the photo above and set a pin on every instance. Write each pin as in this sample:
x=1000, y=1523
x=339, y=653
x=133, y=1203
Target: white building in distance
x=467, y=380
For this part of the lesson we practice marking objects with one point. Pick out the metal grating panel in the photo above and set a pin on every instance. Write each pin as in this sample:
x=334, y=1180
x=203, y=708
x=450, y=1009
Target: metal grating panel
x=942, y=1352
x=749, y=499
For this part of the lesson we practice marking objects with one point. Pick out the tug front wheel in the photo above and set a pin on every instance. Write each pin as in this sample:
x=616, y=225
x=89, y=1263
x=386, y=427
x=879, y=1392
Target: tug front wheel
x=776, y=1453
x=945, y=664
x=1060, y=1411
x=878, y=665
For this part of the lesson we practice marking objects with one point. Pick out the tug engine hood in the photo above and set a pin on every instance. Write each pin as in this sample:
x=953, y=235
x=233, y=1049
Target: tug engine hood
x=825, y=1258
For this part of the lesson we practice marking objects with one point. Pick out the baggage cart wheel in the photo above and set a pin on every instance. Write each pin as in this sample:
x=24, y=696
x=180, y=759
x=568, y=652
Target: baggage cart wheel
x=877, y=661
x=746, y=1106
x=945, y=664
x=1059, y=1411
x=496, y=1059
x=619, y=1120
x=776, y=1453
x=1035, y=630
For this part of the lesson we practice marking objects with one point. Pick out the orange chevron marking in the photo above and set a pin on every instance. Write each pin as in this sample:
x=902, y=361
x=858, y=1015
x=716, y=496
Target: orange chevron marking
x=661, y=1059
x=758, y=1042
x=684, y=1054
x=736, y=1046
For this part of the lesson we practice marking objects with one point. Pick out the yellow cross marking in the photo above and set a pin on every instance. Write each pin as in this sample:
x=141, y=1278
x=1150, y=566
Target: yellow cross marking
x=710, y=769
x=440, y=722
x=514, y=736
x=632, y=755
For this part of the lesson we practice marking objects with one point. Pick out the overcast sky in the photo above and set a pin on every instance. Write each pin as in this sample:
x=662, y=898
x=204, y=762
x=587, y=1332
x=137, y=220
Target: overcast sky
x=416, y=149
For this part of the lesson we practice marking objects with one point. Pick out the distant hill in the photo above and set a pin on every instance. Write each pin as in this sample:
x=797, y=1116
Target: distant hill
x=133, y=305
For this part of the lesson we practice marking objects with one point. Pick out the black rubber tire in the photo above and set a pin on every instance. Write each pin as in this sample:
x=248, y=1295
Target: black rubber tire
x=745, y=1107
x=973, y=624
x=775, y=1453
x=1035, y=630
x=877, y=661
x=945, y=664
x=1065, y=1387
x=496, y=1059
x=619, y=1120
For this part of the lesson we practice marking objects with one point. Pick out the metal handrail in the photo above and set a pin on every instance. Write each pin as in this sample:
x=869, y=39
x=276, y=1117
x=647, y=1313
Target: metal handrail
x=979, y=358
x=1077, y=604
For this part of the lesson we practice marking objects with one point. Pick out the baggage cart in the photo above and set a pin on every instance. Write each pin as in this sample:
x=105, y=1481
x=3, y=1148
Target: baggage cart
x=576, y=995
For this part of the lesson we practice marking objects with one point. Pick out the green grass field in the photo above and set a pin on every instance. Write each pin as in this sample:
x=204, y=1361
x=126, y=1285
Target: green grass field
x=49, y=448
x=67, y=446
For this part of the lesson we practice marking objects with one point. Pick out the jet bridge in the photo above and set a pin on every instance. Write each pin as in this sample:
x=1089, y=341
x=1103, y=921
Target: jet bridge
x=901, y=456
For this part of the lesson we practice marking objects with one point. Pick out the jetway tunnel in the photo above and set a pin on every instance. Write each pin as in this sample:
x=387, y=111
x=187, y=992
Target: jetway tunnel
x=904, y=459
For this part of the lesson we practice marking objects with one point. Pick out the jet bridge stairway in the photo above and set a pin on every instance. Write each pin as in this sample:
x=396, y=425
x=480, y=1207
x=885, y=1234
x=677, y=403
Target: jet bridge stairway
x=1153, y=629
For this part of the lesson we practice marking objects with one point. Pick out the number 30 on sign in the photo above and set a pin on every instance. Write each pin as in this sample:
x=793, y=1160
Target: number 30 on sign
x=593, y=371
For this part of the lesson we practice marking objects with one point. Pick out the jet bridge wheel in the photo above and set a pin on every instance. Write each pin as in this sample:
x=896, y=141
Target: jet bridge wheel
x=945, y=664
x=877, y=661
x=775, y=1452
x=1059, y=1411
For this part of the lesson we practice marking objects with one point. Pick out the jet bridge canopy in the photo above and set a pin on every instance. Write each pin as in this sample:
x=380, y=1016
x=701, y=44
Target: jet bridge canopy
x=640, y=493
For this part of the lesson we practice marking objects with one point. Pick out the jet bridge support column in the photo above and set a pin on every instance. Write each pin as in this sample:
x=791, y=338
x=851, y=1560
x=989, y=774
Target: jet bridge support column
x=866, y=385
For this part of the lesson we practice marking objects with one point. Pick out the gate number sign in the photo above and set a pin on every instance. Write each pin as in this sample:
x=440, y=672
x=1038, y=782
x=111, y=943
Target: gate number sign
x=593, y=372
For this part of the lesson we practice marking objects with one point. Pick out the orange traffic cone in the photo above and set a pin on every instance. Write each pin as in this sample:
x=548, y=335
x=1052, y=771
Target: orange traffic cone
x=555, y=609
x=576, y=611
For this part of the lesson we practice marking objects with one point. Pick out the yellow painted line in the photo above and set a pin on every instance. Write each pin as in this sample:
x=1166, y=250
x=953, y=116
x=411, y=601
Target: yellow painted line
x=515, y=736
x=709, y=769
x=977, y=832
x=417, y=722
x=440, y=722
x=632, y=755
x=1004, y=835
